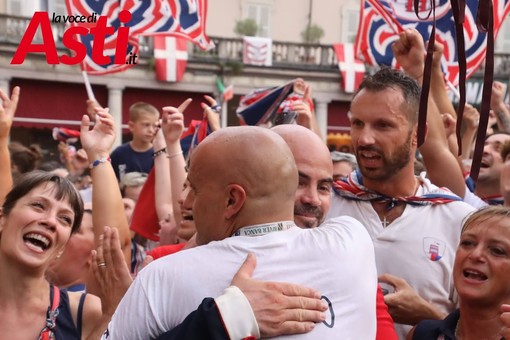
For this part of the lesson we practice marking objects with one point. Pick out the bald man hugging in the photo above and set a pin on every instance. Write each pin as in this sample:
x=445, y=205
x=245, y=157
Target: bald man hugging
x=243, y=182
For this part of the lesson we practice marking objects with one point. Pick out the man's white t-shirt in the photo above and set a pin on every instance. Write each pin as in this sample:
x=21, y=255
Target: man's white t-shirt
x=336, y=259
x=419, y=246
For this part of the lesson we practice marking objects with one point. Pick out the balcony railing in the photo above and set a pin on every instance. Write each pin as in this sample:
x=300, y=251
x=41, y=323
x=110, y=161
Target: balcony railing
x=286, y=55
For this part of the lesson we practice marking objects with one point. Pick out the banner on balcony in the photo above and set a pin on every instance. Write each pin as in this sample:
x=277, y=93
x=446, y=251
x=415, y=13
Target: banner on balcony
x=382, y=20
x=170, y=58
x=351, y=69
x=257, y=51
x=130, y=20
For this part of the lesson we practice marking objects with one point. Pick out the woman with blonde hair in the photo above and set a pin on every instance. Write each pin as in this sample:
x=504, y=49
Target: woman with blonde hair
x=481, y=275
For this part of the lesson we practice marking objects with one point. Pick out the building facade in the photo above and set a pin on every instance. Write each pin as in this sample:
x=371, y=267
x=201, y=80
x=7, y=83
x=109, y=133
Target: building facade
x=54, y=95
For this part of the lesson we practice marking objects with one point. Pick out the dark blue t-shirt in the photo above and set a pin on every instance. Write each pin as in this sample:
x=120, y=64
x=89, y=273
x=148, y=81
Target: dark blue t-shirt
x=125, y=160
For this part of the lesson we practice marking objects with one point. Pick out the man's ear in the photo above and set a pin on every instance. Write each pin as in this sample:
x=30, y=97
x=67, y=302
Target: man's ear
x=415, y=134
x=130, y=125
x=235, y=199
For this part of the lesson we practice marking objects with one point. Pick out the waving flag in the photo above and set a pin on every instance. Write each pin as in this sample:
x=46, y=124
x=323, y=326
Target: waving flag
x=144, y=220
x=351, y=69
x=225, y=93
x=61, y=134
x=260, y=106
x=382, y=20
x=170, y=58
x=195, y=133
x=183, y=18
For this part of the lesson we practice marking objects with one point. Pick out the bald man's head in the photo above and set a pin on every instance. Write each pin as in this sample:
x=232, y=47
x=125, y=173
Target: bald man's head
x=240, y=176
x=315, y=168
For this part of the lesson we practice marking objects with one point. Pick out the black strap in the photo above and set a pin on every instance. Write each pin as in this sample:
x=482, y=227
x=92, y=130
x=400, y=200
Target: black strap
x=485, y=23
x=458, y=10
x=425, y=88
x=79, y=317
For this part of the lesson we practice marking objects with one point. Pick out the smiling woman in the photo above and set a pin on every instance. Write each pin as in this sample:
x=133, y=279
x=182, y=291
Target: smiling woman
x=481, y=274
x=36, y=220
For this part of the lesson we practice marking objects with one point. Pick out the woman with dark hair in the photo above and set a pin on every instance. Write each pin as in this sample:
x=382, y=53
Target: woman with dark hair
x=36, y=220
x=481, y=275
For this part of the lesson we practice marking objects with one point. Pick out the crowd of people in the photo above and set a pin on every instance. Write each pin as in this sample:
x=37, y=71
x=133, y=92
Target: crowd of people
x=261, y=232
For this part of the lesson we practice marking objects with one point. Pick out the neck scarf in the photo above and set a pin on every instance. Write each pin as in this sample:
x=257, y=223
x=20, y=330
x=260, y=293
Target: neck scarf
x=352, y=188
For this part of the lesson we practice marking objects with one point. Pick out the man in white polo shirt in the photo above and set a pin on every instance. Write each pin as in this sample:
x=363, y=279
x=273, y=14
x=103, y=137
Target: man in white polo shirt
x=243, y=183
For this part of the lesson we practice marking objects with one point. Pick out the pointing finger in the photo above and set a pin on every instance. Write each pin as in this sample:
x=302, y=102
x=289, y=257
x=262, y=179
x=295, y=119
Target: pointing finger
x=184, y=105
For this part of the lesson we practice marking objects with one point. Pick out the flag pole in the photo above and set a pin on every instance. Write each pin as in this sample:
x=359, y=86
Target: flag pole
x=90, y=93
x=224, y=113
x=452, y=88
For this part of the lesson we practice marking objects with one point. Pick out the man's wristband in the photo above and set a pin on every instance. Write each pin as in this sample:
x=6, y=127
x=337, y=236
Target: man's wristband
x=99, y=161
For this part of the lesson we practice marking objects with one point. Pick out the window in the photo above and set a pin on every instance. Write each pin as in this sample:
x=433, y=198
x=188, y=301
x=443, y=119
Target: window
x=503, y=40
x=261, y=14
x=14, y=7
x=55, y=6
x=350, y=19
x=59, y=7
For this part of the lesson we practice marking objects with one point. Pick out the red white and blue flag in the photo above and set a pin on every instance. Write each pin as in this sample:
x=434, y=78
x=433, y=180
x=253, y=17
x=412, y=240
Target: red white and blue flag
x=261, y=106
x=182, y=18
x=382, y=20
x=195, y=133
x=170, y=58
x=69, y=136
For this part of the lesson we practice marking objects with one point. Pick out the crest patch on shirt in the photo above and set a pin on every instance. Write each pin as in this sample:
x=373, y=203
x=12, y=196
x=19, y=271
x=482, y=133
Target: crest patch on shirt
x=433, y=248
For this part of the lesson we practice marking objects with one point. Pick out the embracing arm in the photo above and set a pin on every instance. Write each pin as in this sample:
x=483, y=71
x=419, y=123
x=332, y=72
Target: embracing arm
x=253, y=308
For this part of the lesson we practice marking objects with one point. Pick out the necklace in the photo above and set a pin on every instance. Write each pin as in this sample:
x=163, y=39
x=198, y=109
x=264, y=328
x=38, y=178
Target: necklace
x=384, y=222
x=388, y=211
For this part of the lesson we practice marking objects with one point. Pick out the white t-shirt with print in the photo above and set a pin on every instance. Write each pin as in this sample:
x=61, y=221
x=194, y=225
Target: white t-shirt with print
x=419, y=246
x=336, y=259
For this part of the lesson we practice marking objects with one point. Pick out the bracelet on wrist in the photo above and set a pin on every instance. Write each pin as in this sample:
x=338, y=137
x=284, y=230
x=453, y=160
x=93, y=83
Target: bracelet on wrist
x=174, y=155
x=99, y=161
x=159, y=152
x=216, y=108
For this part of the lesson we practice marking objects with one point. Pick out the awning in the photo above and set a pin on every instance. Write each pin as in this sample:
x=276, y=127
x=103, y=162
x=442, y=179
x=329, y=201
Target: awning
x=49, y=104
